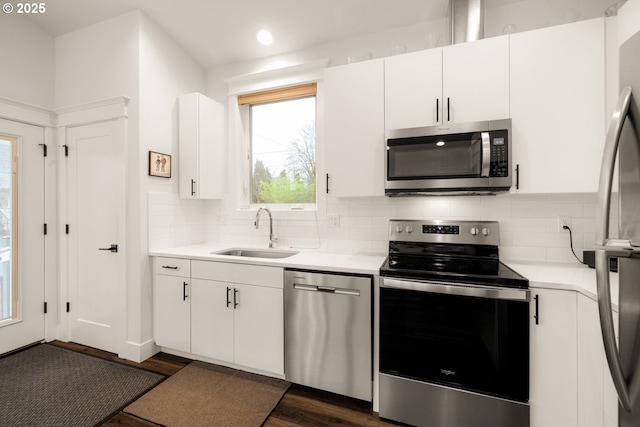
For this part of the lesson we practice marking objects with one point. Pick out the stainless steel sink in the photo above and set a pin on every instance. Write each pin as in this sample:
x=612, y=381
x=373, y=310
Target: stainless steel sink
x=256, y=253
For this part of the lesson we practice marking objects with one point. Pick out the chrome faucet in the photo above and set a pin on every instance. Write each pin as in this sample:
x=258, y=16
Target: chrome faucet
x=272, y=240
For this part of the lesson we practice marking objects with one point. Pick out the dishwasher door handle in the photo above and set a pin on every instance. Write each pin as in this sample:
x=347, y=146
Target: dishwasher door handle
x=326, y=289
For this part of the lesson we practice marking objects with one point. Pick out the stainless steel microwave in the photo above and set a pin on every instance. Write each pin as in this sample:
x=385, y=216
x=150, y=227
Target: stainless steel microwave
x=465, y=158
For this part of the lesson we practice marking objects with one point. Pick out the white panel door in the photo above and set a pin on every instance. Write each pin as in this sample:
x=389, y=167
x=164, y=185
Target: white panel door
x=212, y=310
x=413, y=89
x=553, y=378
x=96, y=200
x=22, y=256
x=259, y=328
x=475, y=83
x=354, y=129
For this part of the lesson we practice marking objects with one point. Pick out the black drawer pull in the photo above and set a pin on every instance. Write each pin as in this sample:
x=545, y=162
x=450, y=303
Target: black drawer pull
x=170, y=267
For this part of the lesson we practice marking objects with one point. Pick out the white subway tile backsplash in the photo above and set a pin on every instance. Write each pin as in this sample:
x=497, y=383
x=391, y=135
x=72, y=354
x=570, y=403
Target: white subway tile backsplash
x=528, y=223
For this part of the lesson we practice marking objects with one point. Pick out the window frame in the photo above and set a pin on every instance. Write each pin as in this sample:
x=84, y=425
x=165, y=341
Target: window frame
x=244, y=102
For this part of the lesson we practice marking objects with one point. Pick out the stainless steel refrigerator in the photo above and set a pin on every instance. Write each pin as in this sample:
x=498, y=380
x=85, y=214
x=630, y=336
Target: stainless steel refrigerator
x=623, y=139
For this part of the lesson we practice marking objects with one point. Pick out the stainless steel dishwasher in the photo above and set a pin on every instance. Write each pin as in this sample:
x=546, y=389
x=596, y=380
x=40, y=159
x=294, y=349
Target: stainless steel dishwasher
x=328, y=332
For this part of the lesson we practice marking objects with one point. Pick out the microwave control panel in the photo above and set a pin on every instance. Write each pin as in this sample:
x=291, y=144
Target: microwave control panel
x=499, y=154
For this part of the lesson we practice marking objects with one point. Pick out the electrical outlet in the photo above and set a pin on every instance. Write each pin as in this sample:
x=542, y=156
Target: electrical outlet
x=562, y=221
x=334, y=220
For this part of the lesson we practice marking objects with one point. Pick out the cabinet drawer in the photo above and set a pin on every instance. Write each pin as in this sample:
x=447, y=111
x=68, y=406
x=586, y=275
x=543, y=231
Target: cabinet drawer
x=172, y=266
x=238, y=273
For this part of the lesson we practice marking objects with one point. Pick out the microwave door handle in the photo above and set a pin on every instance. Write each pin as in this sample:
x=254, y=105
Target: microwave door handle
x=486, y=154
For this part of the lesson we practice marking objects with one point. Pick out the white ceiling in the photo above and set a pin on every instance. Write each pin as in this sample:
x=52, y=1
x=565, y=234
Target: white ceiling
x=217, y=32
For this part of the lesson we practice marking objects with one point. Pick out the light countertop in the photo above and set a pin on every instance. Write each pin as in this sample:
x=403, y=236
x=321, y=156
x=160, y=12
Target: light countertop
x=570, y=277
x=359, y=263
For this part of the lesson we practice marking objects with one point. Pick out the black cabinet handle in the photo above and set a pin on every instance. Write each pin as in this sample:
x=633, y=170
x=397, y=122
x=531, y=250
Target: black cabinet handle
x=327, y=184
x=517, y=176
x=537, y=315
x=235, y=298
x=184, y=291
x=437, y=110
x=193, y=192
x=448, y=110
x=170, y=267
x=228, y=300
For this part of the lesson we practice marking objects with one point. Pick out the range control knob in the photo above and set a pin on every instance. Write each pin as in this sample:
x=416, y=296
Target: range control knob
x=409, y=228
x=399, y=229
x=486, y=231
x=474, y=231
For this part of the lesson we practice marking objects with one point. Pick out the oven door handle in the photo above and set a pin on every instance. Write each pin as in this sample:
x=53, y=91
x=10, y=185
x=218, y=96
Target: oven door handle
x=509, y=294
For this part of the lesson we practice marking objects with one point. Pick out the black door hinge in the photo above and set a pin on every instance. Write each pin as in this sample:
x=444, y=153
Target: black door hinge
x=45, y=229
x=68, y=307
x=66, y=229
x=45, y=307
x=44, y=147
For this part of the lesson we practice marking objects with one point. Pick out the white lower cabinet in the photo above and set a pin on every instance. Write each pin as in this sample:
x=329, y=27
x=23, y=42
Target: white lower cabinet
x=232, y=313
x=237, y=314
x=554, y=351
x=597, y=398
x=238, y=323
x=172, y=303
x=570, y=381
x=212, y=319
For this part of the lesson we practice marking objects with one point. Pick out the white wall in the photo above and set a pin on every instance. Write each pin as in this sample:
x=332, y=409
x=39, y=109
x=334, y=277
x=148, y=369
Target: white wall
x=28, y=62
x=528, y=223
x=166, y=71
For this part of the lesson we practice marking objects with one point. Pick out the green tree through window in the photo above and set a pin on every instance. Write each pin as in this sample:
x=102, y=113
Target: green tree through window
x=283, y=154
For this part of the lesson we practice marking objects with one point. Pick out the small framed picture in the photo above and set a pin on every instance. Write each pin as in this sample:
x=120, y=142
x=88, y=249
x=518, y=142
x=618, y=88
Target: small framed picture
x=159, y=164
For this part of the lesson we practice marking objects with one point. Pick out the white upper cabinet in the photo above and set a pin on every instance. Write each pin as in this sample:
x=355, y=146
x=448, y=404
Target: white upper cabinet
x=413, y=89
x=558, y=107
x=466, y=82
x=201, y=138
x=475, y=84
x=354, y=133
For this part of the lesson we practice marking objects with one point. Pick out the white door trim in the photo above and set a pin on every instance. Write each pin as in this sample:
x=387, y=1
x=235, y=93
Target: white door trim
x=22, y=112
x=95, y=112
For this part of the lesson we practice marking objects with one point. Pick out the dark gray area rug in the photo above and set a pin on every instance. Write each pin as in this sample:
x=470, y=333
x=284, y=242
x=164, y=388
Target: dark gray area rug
x=48, y=386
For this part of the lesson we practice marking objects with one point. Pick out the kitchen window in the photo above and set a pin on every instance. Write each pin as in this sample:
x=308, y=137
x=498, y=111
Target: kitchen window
x=282, y=146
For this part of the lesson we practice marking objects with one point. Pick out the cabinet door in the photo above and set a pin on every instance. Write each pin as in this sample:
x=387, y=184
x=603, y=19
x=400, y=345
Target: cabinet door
x=475, y=82
x=590, y=363
x=553, y=374
x=354, y=129
x=413, y=89
x=201, y=138
x=172, y=312
x=212, y=319
x=558, y=107
x=259, y=328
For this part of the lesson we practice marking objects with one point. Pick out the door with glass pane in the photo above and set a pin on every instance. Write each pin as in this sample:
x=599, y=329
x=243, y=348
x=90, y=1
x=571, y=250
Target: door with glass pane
x=21, y=235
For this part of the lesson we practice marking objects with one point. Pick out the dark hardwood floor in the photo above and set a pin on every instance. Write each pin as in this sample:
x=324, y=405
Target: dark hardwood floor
x=300, y=406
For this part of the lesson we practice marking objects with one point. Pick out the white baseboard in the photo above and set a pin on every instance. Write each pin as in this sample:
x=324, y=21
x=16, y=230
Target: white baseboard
x=138, y=352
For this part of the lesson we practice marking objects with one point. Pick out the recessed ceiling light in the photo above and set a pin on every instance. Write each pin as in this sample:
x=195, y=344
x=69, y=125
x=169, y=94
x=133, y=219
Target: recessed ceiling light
x=264, y=37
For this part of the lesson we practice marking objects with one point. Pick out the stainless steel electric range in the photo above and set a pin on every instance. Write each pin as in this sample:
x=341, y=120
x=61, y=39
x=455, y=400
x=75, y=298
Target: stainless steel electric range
x=454, y=328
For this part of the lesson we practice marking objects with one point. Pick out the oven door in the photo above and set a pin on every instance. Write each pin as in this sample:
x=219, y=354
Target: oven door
x=474, y=338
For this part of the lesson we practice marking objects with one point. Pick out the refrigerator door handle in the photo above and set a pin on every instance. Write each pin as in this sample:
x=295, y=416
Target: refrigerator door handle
x=605, y=249
x=608, y=333
x=608, y=165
